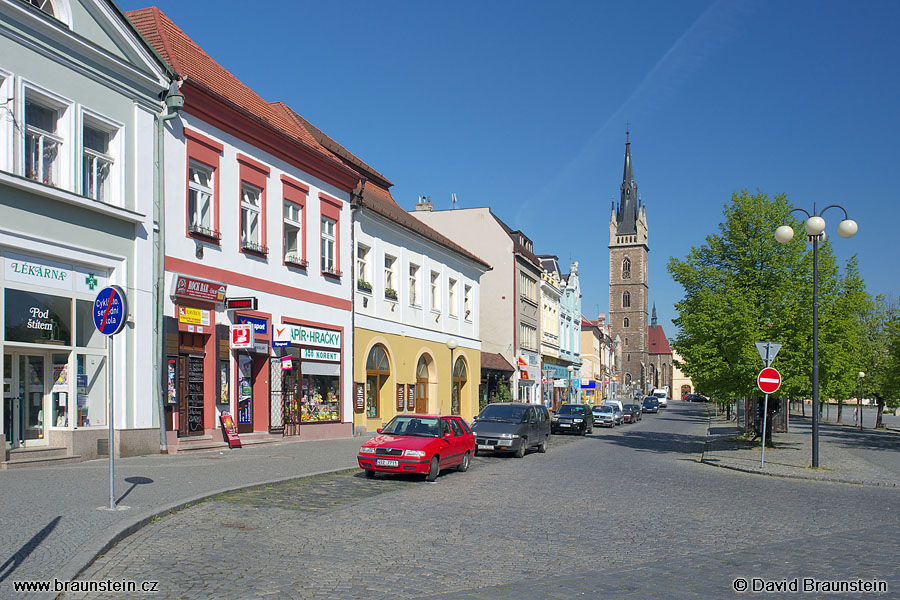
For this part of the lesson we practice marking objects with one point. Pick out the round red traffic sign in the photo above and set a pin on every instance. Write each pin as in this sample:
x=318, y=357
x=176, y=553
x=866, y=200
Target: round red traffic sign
x=768, y=380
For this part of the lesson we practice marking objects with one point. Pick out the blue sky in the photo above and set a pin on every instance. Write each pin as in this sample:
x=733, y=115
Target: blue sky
x=522, y=106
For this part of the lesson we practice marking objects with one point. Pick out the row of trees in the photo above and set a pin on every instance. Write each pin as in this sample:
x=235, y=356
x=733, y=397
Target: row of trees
x=741, y=286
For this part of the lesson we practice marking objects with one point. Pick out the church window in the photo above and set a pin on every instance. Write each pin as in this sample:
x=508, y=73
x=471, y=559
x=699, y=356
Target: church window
x=626, y=322
x=626, y=268
x=626, y=342
x=626, y=299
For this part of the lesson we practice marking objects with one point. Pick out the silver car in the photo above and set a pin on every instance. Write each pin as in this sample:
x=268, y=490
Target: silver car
x=604, y=415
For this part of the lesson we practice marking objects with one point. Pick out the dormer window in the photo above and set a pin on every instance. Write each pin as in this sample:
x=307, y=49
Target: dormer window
x=43, y=5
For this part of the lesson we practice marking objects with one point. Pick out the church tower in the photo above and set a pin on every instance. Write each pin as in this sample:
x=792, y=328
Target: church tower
x=628, y=285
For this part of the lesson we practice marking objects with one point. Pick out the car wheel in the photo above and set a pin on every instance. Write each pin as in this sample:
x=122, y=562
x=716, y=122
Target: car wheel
x=370, y=474
x=543, y=445
x=520, y=452
x=464, y=463
x=433, y=469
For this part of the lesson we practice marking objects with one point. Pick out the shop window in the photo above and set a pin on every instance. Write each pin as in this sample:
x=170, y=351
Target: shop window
x=97, y=161
x=377, y=372
x=293, y=234
x=90, y=408
x=37, y=318
x=321, y=393
x=460, y=377
x=200, y=201
x=42, y=142
x=86, y=334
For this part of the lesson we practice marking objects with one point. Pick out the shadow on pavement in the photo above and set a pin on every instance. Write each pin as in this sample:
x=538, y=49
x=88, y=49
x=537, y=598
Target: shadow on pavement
x=13, y=562
x=663, y=443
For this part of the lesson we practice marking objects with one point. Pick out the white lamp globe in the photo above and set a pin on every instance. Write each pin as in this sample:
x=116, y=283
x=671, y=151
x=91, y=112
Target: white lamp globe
x=862, y=374
x=784, y=234
x=847, y=228
x=452, y=343
x=570, y=368
x=814, y=225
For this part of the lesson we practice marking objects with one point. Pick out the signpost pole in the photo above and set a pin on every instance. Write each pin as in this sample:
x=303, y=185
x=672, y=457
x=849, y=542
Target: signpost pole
x=111, y=445
x=762, y=456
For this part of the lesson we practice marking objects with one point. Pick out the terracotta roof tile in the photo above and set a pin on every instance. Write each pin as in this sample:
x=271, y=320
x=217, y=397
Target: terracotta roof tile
x=659, y=344
x=490, y=360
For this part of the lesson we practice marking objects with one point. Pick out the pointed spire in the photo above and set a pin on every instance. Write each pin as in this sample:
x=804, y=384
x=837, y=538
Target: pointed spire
x=653, y=318
x=627, y=214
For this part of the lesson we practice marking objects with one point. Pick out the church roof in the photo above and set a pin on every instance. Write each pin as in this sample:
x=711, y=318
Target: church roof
x=627, y=212
x=659, y=344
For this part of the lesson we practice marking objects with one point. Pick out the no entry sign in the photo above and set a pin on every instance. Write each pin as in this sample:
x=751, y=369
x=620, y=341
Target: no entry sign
x=768, y=380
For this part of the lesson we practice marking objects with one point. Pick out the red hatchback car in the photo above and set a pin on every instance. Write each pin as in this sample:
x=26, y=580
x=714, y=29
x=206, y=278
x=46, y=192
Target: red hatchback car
x=419, y=444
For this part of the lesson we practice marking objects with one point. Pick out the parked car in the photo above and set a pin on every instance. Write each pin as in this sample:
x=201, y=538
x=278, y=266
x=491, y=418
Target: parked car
x=418, y=444
x=604, y=415
x=661, y=396
x=512, y=427
x=617, y=409
x=651, y=404
x=571, y=418
x=696, y=398
x=635, y=411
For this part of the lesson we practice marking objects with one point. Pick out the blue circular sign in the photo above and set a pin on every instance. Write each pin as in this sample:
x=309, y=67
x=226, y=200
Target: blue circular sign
x=110, y=310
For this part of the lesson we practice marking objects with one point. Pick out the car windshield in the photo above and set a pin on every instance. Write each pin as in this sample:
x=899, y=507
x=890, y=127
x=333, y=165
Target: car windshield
x=411, y=425
x=571, y=409
x=603, y=409
x=507, y=413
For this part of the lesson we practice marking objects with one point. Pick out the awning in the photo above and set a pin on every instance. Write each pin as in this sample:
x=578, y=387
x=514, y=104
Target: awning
x=490, y=360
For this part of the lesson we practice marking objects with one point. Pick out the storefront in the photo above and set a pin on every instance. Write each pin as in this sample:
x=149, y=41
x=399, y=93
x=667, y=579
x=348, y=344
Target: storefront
x=311, y=363
x=557, y=383
x=54, y=361
x=529, y=378
x=252, y=376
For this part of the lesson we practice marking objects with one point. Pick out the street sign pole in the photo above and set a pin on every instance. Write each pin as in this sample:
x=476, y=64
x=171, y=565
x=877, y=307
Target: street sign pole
x=768, y=380
x=762, y=455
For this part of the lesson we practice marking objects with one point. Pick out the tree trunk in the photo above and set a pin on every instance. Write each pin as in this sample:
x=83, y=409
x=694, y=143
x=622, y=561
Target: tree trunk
x=803, y=407
x=880, y=403
x=840, y=409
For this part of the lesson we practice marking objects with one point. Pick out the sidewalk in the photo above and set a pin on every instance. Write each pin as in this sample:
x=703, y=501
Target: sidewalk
x=846, y=455
x=50, y=525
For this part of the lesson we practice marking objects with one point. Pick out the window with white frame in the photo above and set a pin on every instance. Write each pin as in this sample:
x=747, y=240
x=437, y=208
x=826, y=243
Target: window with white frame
x=435, y=290
x=528, y=335
x=528, y=287
x=250, y=222
x=97, y=161
x=328, y=244
x=200, y=200
x=42, y=142
x=467, y=302
x=362, y=267
x=414, y=285
x=43, y=5
x=451, y=299
x=389, y=290
x=293, y=228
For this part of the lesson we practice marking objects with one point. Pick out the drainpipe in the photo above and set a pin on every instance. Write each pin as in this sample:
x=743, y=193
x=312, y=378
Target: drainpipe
x=174, y=102
x=354, y=207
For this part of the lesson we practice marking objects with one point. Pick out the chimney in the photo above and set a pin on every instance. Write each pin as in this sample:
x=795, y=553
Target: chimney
x=424, y=204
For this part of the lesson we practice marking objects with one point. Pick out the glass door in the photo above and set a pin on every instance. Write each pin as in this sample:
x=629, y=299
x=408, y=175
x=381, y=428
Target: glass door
x=32, y=391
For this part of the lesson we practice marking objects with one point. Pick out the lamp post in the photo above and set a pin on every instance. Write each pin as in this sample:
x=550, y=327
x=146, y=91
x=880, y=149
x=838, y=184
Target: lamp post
x=570, y=369
x=815, y=228
x=452, y=344
x=859, y=399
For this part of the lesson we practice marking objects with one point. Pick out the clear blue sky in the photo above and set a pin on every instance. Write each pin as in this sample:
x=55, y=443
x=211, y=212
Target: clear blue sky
x=523, y=105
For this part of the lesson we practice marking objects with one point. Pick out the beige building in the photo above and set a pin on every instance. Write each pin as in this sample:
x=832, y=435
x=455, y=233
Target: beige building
x=681, y=383
x=593, y=369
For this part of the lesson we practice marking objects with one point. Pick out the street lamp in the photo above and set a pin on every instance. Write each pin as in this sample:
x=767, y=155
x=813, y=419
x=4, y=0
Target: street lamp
x=570, y=369
x=452, y=344
x=815, y=228
x=859, y=399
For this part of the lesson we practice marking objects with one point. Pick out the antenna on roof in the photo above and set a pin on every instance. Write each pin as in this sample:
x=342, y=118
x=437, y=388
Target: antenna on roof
x=453, y=201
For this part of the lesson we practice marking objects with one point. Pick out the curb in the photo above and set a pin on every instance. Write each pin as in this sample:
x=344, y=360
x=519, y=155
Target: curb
x=85, y=558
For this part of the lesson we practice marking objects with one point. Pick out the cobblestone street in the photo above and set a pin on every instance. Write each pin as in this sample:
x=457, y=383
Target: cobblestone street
x=623, y=513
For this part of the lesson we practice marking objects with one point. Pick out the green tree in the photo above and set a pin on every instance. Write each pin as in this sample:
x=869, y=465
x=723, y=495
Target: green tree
x=879, y=335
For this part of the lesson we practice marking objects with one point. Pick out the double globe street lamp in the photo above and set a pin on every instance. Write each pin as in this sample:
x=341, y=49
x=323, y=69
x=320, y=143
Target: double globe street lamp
x=815, y=233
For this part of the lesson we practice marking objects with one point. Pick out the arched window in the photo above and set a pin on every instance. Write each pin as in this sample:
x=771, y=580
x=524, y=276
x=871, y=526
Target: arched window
x=626, y=299
x=626, y=268
x=44, y=5
x=422, y=386
x=628, y=377
x=626, y=323
x=626, y=342
x=377, y=372
x=459, y=381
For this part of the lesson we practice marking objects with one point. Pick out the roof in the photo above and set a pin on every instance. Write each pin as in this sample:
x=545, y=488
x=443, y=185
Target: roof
x=659, y=344
x=517, y=246
x=202, y=71
x=490, y=360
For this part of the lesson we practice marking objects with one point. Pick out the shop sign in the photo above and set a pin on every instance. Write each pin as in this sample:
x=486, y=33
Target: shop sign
x=286, y=363
x=260, y=326
x=231, y=433
x=193, y=316
x=359, y=399
x=308, y=336
x=242, y=337
x=589, y=385
x=527, y=373
x=560, y=383
x=401, y=389
x=261, y=348
x=198, y=289
x=281, y=336
x=410, y=396
x=49, y=273
x=311, y=354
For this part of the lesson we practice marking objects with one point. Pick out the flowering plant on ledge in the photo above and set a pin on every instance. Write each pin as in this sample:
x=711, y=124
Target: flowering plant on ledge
x=390, y=293
x=364, y=285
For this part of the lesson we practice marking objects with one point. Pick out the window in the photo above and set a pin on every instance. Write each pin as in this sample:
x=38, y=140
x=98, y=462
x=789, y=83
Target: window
x=467, y=302
x=459, y=382
x=44, y=5
x=528, y=287
x=451, y=291
x=377, y=372
x=626, y=322
x=528, y=335
x=626, y=268
x=250, y=219
x=42, y=144
x=96, y=164
x=328, y=245
x=362, y=268
x=414, y=285
x=200, y=200
x=293, y=234
x=626, y=299
x=435, y=290
x=389, y=290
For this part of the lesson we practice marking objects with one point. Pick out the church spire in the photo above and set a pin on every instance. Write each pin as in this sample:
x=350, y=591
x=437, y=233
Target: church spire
x=653, y=318
x=627, y=213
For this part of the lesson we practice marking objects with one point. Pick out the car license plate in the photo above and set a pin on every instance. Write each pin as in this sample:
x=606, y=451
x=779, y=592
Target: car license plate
x=564, y=425
x=386, y=462
x=485, y=447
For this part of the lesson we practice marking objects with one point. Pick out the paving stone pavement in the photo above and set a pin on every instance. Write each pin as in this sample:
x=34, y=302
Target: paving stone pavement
x=624, y=513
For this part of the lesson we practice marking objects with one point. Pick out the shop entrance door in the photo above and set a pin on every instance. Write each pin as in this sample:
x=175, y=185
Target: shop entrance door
x=25, y=399
x=245, y=394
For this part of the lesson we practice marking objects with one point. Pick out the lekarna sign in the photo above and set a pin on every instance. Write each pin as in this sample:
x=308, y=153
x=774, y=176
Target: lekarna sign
x=110, y=310
x=768, y=380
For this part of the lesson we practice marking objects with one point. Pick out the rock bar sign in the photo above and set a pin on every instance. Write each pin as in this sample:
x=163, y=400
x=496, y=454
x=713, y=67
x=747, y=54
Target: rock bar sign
x=198, y=289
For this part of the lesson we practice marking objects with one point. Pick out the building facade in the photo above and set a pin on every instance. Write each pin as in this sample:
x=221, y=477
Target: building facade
x=628, y=283
x=80, y=92
x=660, y=358
x=257, y=213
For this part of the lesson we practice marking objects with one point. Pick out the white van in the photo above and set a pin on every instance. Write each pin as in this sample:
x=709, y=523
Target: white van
x=663, y=395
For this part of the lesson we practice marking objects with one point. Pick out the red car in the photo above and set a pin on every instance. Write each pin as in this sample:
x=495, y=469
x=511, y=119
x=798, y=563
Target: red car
x=422, y=444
